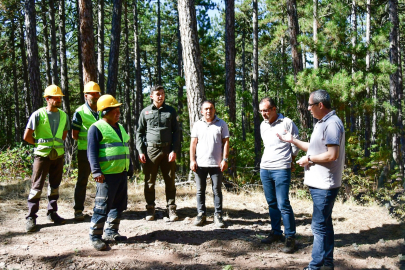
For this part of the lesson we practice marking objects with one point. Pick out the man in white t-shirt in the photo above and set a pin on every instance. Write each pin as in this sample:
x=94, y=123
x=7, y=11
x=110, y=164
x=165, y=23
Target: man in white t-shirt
x=209, y=149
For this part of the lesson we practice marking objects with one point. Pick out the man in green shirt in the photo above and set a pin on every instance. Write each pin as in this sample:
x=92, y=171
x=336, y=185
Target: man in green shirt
x=47, y=129
x=157, y=141
x=83, y=118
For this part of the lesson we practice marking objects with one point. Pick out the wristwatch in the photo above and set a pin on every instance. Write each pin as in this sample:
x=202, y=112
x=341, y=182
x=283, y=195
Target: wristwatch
x=225, y=159
x=309, y=159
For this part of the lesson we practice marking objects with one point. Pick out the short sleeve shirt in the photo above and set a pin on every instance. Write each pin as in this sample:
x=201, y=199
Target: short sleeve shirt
x=209, y=145
x=53, y=121
x=327, y=175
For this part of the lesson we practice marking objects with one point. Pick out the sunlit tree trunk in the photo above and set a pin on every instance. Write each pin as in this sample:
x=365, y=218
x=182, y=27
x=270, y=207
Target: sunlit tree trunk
x=137, y=64
x=46, y=42
x=191, y=58
x=244, y=124
x=112, y=79
x=159, y=53
x=354, y=42
x=87, y=41
x=315, y=32
x=17, y=129
x=255, y=86
x=180, y=95
x=27, y=98
x=63, y=60
x=367, y=124
x=79, y=54
x=32, y=55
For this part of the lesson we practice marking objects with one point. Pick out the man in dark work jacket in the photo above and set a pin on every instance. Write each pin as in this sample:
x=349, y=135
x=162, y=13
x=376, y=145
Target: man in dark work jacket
x=157, y=141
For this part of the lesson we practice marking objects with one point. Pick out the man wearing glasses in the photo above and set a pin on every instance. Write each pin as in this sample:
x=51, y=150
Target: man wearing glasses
x=275, y=172
x=323, y=174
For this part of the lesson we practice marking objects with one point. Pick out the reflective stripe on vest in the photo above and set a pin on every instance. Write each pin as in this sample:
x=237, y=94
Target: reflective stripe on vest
x=87, y=120
x=44, y=139
x=113, y=154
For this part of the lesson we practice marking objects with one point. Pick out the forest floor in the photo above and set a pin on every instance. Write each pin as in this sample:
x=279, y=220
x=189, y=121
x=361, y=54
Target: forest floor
x=366, y=237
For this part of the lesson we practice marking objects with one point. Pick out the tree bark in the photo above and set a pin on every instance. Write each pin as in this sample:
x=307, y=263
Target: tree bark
x=230, y=95
x=191, y=59
x=243, y=86
x=354, y=42
x=180, y=93
x=79, y=54
x=367, y=124
x=27, y=99
x=255, y=86
x=297, y=60
x=114, y=48
x=63, y=60
x=137, y=64
x=159, y=54
x=46, y=43
x=87, y=41
x=54, y=52
x=17, y=129
x=100, y=45
x=32, y=55
x=315, y=32
x=394, y=78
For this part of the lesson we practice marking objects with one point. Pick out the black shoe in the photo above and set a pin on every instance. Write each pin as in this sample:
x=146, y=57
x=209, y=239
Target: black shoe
x=55, y=218
x=98, y=244
x=219, y=222
x=200, y=220
x=31, y=225
x=115, y=237
x=272, y=238
x=289, y=245
x=79, y=215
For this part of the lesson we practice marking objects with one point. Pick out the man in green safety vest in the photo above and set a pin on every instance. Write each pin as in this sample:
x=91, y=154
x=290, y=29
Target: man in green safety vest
x=47, y=129
x=108, y=154
x=83, y=118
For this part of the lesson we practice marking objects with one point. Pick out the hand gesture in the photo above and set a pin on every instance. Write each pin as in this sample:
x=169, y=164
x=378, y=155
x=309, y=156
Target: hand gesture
x=287, y=137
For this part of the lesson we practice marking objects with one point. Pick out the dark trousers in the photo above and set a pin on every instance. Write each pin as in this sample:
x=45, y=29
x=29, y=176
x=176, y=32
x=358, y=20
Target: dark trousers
x=322, y=227
x=41, y=168
x=201, y=184
x=276, y=186
x=111, y=200
x=82, y=179
x=159, y=158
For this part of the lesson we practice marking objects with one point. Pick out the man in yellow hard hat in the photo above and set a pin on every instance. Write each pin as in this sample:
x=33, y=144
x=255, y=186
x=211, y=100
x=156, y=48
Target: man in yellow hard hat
x=83, y=118
x=47, y=129
x=108, y=154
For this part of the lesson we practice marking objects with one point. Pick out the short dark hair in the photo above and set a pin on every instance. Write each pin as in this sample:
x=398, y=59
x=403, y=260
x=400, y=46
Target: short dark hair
x=270, y=100
x=156, y=88
x=322, y=96
x=207, y=101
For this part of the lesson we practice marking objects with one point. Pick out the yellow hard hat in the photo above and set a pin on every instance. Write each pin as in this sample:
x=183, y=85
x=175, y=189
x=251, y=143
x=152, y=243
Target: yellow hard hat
x=107, y=101
x=91, y=87
x=53, y=91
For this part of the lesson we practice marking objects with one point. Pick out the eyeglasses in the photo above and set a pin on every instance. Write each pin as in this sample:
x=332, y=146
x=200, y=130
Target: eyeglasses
x=310, y=105
x=267, y=110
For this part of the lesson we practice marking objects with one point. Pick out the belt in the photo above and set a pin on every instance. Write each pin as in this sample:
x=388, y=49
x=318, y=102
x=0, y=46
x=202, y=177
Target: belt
x=152, y=144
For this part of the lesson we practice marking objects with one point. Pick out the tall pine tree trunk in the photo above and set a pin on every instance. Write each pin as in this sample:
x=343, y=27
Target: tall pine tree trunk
x=32, y=55
x=17, y=129
x=27, y=98
x=255, y=85
x=63, y=60
x=46, y=42
x=243, y=86
x=100, y=44
x=137, y=64
x=354, y=42
x=297, y=61
x=87, y=41
x=54, y=51
x=112, y=79
x=191, y=59
x=315, y=32
x=159, y=48
x=182, y=156
x=367, y=124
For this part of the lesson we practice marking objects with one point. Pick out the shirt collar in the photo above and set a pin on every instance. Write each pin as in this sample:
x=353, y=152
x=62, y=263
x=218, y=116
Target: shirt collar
x=331, y=113
x=280, y=118
x=161, y=107
x=213, y=120
x=88, y=106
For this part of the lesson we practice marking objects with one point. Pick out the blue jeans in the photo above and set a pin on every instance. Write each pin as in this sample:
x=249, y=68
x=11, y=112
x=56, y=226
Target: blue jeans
x=276, y=186
x=201, y=184
x=111, y=200
x=322, y=227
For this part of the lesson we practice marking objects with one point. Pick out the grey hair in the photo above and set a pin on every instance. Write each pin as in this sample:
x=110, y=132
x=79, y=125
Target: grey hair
x=322, y=96
x=270, y=100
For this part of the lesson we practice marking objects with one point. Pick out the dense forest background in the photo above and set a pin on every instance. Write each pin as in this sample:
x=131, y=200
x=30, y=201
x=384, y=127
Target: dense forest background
x=250, y=49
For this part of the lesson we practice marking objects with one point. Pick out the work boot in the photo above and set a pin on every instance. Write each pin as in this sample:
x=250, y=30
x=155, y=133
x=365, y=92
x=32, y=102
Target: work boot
x=200, y=219
x=115, y=237
x=55, y=218
x=98, y=244
x=79, y=215
x=218, y=221
x=150, y=212
x=272, y=238
x=289, y=246
x=31, y=225
x=171, y=211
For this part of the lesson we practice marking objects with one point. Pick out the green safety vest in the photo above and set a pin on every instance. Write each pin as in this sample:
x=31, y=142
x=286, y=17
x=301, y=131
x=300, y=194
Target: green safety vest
x=87, y=120
x=44, y=139
x=113, y=154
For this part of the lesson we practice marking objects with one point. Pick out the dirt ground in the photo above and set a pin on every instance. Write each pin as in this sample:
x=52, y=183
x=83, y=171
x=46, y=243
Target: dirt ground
x=366, y=237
